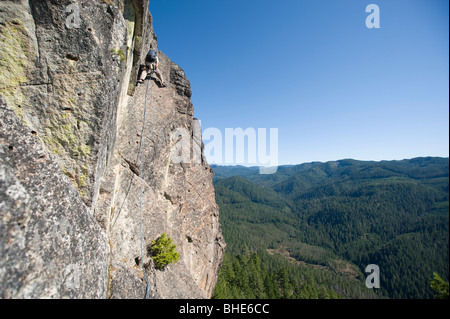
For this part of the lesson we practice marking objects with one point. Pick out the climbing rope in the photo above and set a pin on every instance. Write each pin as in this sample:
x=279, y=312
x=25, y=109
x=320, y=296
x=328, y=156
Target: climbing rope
x=140, y=171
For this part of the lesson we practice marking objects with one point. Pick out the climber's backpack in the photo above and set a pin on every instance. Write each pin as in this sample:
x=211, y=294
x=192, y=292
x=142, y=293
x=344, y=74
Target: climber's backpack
x=151, y=56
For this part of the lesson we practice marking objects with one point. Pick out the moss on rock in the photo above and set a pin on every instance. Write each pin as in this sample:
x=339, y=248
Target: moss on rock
x=15, y=56
x=119, y=52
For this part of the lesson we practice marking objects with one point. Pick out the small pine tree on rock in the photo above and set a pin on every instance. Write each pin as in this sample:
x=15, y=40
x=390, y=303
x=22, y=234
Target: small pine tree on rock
x=163, y=252
x=439, y=286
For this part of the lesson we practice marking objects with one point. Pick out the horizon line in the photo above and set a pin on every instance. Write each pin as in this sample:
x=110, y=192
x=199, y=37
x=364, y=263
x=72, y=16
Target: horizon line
x=329, y=161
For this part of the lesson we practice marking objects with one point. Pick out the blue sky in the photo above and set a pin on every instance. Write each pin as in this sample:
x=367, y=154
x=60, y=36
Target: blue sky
x=334, y=88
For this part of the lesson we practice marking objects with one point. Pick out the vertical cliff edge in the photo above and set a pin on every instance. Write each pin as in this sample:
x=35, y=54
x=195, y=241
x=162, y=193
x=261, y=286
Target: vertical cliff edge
x=71, y=123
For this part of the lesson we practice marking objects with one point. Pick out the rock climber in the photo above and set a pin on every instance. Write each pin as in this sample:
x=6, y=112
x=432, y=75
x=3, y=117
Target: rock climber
x=151, y=64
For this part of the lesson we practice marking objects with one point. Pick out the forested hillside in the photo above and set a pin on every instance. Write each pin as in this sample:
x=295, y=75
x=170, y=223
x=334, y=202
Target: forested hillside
x=311, y=229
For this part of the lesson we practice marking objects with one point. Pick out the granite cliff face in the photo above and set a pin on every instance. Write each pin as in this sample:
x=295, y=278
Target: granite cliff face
x=70, y=141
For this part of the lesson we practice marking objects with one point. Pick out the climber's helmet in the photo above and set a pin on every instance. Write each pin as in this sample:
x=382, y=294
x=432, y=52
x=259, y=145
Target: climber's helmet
x=151, y=56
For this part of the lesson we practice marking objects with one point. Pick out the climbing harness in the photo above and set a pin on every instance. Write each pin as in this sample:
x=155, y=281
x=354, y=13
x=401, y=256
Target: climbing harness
x=140, y=170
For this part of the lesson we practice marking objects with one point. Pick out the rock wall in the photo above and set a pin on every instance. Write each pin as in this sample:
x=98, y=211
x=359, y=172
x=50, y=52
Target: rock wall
x=50, y=246
x=68, y=88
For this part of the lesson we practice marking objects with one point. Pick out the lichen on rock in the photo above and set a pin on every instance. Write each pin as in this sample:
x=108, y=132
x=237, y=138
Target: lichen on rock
x=15, y=56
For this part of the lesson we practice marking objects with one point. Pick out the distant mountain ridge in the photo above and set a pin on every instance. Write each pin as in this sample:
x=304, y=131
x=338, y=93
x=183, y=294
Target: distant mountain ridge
x=391, y=213
x=396, y=166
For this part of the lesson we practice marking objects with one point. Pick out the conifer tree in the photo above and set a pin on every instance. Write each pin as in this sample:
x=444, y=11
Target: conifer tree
x=163, y=251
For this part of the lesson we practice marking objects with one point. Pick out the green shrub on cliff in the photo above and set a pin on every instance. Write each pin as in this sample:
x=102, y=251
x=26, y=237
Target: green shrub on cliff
x=163, y=251
x=439, y=286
